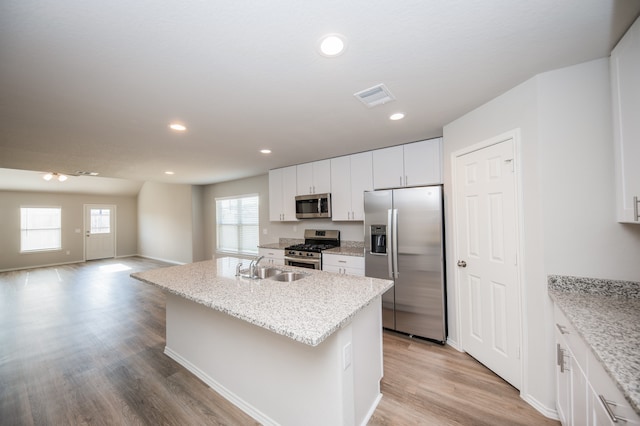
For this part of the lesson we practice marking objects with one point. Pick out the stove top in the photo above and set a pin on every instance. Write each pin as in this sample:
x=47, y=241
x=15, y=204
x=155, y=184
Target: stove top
x=316, y=240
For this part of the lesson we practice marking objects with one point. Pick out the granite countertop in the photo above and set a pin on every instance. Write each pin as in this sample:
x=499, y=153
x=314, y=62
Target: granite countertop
x=346, y=251
x=606, y=314
x=308, y=310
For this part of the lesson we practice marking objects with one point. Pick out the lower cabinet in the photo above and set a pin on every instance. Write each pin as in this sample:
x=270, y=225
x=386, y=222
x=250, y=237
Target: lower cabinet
x=271, y=256
x=586, y=395
x=341, y=264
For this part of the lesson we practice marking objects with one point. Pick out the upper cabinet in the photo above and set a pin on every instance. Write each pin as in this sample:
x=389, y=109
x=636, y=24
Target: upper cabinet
x=351, y=175
x=413, y=164
x=625, y=88
x=282, y=192
x=314, y=178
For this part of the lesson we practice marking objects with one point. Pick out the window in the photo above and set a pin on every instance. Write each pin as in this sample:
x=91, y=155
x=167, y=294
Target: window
x=40, y=228
x=237, y=224
x=100, y=221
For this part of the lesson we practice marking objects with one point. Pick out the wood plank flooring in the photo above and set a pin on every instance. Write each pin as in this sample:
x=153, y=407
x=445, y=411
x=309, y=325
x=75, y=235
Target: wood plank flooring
x=83, y=344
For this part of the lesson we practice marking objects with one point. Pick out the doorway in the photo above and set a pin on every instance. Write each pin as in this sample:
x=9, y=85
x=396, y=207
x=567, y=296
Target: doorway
x=99, y=231
x=487, y=242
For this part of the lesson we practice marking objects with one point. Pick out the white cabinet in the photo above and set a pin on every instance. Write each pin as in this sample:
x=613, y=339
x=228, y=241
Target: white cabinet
x=351, y=175
x=413, y=164
x=582, y=385
x=282, y=192
x=314, y=178
x=625, y=89
x=341, y=264
x=271, y=256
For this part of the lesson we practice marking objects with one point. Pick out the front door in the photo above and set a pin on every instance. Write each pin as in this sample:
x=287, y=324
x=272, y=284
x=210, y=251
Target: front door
x=486, y=249
x=99, y=231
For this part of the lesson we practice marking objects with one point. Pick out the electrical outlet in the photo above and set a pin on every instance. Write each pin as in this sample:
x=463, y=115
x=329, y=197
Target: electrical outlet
x=68, y=252
x=346, y=353
x=265, y=231
x=295, y=228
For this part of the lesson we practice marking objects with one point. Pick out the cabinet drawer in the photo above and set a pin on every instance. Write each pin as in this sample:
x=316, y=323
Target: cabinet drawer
x=343, y=261
x=604, y=387
x=575, y=343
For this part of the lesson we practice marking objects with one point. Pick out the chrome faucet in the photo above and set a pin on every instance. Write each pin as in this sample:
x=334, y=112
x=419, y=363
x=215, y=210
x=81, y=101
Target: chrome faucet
x=253, y=265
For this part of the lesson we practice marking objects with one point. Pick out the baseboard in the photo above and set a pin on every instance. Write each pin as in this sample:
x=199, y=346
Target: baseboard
x=454, y=345
x=222, y=390
x=551, y=413
x=173, y=262
x=372, y=409
x=41, y=266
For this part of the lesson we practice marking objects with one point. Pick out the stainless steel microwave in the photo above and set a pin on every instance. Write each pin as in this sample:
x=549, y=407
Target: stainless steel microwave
x=313, y=206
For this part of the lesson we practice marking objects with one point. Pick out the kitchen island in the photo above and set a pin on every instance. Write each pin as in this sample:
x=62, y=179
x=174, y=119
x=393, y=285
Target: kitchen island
x=301, y=352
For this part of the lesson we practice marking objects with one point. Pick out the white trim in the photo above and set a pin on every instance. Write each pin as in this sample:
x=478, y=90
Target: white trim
x=222, y=390
x=516, y=137
x=454, y=344
x=174, y=262
x=20, y=268
x=551, y=413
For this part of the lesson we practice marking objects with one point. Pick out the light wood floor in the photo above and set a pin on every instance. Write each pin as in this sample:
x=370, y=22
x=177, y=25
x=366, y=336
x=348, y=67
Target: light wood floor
x=83, y=344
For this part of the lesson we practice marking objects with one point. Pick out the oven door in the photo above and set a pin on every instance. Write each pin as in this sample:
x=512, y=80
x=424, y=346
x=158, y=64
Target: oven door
x=303, y=263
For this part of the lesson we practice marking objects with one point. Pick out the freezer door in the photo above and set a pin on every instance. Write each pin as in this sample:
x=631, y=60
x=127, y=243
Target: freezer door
x=377, y=207
x=419, y=285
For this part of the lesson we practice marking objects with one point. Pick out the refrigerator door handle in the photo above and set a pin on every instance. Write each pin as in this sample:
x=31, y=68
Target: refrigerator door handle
x=390, y=231
x=394, y=242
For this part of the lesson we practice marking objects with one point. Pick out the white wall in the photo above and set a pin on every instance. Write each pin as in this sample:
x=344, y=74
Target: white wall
x=567, y=195
x=165, y=220
x=72, y=218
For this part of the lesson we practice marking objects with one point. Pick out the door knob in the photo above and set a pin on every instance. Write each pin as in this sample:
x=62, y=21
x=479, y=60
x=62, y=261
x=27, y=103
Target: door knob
x=462, y=263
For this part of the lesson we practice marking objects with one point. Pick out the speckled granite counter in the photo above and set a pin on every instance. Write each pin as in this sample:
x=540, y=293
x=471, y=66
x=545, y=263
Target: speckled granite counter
x=308, y=310
x=607, y=316
x=346, y=251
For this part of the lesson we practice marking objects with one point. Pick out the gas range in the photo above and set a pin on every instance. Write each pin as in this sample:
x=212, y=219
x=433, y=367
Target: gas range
x=309, y=254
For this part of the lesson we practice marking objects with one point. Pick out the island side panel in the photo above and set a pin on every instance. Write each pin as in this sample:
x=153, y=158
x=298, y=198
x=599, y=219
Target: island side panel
x=273, y=378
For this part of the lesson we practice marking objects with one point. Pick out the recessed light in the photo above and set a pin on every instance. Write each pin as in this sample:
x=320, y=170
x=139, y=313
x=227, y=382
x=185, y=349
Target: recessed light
x=265, y=151
x=396, y=116
x=332, y=45
x=169, y=172
x=177, y=127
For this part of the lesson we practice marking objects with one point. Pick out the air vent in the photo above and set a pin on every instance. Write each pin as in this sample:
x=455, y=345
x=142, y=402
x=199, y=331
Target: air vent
x=376, y=95
x=81, y=173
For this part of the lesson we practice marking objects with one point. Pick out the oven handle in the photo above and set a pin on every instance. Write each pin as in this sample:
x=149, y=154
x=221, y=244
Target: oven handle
x=302, y=260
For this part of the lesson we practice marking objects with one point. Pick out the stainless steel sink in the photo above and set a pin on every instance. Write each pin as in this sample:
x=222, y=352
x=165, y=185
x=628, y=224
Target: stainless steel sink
x=267, y=272
x=288, y=276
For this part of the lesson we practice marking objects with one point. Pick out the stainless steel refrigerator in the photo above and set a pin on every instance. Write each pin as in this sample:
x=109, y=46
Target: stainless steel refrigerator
x=404, y=242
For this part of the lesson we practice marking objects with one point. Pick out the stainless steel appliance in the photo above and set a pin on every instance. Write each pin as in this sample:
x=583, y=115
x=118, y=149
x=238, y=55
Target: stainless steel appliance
x=313, y=206
x=309, y=254
x=404, y=242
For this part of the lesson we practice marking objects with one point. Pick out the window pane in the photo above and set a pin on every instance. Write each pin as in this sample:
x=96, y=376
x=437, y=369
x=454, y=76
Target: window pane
x=100, y=221
x=238, y=224
x=40, y=228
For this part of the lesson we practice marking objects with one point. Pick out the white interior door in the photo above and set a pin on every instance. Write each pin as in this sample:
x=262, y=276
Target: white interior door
x=99, y=231
x=486, y=245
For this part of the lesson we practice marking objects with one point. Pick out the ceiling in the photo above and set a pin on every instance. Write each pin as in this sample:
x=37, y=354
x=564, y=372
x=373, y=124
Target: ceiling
x=93, y=85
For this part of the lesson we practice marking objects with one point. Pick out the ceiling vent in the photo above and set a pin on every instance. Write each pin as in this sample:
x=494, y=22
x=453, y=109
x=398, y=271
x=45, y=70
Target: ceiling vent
x=376, y=95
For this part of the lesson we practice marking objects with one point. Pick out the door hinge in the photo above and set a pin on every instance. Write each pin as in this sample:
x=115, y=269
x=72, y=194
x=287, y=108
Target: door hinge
x=512, y=163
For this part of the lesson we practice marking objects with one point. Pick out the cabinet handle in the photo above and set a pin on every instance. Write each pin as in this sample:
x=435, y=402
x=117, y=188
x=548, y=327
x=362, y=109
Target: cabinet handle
x=342, y=261
x=560, y=356
x=607, y=406
x=562, y=329
x=406, y=181
x=636, y=214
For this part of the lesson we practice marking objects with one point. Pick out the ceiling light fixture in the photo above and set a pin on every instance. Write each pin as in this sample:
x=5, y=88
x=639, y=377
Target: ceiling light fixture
x=59, y=176
x=169, y=172
x=177, y=127
x=396, y=116
x=265, y=151
x=332, y=45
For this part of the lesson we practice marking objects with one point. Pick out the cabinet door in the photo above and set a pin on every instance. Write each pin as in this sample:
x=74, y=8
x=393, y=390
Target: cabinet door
x=272, y=257
x=563, y=381
x=361, y=181
x=275, y=195
x=321, y=176
x=289, y=193
x=625, y=82
x=304, y=176
x=579, y=395
x=341, y=188
x=422, y=163
x=388, y=168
